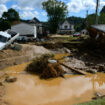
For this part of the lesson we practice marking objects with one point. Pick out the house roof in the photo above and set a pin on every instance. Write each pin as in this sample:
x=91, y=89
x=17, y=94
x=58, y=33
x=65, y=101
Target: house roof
x=69, y=21
x=100, y=27
x=34, y=20
x=23, y=29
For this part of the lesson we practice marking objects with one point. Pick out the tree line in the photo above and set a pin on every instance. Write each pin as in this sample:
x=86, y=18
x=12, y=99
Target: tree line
x=57, y=12
x=8, y=18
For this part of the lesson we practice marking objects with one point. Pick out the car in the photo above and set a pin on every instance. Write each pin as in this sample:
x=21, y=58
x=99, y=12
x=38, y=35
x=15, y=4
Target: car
x=6, y=39
x=77, y=34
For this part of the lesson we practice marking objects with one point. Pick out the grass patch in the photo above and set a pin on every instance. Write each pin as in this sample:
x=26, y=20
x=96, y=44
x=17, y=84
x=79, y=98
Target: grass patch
x=95, y=102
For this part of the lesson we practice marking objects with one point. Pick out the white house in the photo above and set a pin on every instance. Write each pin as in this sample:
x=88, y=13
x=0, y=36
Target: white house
x=32, y=28
x=38, y=25
x=84, y=31
x=66, y=27
x=25, y=29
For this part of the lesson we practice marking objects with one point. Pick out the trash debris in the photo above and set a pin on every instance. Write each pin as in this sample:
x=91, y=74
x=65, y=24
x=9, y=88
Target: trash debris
x=52, y=61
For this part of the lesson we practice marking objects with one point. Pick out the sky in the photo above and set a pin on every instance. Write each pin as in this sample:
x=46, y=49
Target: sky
x=32, y=8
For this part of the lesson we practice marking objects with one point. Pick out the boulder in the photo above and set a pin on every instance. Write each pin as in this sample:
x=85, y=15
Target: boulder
x=67, y=50
x=10, y=79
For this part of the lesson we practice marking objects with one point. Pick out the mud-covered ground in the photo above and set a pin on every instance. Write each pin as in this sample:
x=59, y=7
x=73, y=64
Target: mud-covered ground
x=82, y=54
x=9, y=57
x=87, y=54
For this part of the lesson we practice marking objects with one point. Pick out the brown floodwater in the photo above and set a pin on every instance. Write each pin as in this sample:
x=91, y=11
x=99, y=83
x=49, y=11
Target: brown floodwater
x=31, y=90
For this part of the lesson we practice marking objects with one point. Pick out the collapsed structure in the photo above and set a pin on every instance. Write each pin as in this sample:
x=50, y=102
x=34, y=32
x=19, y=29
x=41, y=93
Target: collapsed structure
x=97, y=30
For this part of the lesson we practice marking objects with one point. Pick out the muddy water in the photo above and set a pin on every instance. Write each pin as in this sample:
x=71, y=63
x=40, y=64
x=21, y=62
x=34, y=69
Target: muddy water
x=30, y=90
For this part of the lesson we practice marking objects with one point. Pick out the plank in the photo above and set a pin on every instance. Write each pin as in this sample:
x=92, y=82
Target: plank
x=76, y=70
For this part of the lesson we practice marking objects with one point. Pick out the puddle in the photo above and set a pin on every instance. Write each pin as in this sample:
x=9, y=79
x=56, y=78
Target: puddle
x=61, y=56
x=30, y=90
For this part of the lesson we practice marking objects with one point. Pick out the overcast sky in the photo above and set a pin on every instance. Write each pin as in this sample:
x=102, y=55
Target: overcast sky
x=32, y=8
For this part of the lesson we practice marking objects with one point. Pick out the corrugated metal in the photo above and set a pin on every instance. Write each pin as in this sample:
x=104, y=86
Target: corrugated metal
x=23, y=29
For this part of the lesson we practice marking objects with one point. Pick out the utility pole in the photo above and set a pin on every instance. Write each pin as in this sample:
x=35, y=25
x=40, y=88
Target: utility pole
x=87, y=18
x=97, y=5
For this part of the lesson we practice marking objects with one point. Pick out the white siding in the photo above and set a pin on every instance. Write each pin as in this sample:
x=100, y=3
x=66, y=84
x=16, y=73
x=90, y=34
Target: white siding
x=65, y=24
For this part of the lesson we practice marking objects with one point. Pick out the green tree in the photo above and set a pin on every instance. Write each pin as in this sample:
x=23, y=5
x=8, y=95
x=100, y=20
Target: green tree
x=102, y=18
x=4, y=25
x=56, y=11
x=11, y=15
x=90, y=19
x=103, y=10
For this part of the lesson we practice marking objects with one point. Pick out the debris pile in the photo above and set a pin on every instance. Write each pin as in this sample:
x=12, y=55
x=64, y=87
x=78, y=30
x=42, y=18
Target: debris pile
x=44, y=69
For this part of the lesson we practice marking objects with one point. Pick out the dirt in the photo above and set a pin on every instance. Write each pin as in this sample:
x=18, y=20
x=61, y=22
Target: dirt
x=11, y=57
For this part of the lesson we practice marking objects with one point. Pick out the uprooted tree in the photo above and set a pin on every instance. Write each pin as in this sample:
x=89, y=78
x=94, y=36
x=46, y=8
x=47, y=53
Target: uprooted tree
x=46, y=70
x=56, y=11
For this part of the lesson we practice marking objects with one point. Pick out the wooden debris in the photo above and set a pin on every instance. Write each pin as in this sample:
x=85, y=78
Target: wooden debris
x=78, y=71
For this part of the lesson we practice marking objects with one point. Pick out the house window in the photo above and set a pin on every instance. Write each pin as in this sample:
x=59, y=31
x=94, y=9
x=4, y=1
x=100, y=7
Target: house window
x=66, y=27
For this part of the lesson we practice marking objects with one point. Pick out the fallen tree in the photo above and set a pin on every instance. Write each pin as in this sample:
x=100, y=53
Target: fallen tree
x=40, y=66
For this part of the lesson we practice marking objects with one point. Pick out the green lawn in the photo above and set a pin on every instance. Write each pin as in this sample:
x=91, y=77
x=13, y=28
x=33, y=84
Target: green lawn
x=95, y=102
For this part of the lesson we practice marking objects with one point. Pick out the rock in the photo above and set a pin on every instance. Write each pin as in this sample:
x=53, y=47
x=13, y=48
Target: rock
x=10, y=79
x=67, y=50
x=94, y=71
x=67, y=59
x=16, y=47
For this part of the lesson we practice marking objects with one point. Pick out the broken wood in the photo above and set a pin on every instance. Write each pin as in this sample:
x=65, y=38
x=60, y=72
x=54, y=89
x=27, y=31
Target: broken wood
x=78, y=71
